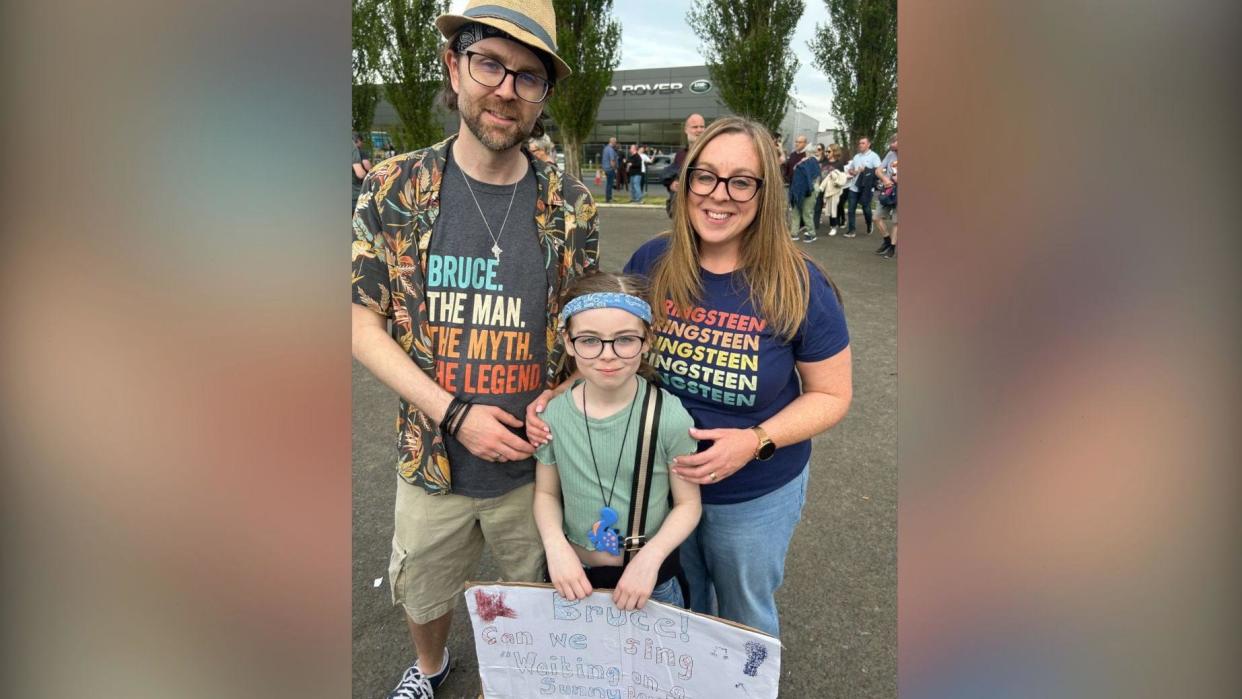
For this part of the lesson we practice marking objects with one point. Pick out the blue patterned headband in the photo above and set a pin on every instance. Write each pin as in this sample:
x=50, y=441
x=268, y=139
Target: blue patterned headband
x=607, y=299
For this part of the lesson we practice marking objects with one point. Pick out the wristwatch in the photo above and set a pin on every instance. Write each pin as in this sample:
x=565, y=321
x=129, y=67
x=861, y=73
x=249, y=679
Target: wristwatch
x=766, y=448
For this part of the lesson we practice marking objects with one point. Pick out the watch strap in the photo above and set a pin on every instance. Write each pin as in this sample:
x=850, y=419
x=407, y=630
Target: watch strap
x=764, y=440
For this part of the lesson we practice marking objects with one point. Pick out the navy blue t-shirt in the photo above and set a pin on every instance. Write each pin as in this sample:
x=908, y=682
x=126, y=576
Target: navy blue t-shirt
x=730, y=370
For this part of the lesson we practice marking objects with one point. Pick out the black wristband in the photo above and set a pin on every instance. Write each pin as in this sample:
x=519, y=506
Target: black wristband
x=447, y=412
x=450, y=413
x=455, y=415
x=461, y=417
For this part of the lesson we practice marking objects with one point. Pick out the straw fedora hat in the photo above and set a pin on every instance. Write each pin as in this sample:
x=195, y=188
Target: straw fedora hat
x=530, y=22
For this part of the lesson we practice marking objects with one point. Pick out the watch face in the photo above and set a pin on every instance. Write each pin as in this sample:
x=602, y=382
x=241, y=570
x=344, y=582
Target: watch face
x=766, y=451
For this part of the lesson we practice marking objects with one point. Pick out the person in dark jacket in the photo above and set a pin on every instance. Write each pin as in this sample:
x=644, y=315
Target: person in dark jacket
x=804, y=177
x=693, y=129
x=634, y=167
x=610, y=162
x=795, y=156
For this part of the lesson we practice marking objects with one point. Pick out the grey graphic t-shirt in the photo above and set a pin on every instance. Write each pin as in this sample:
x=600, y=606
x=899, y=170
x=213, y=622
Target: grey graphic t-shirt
x=487, y=314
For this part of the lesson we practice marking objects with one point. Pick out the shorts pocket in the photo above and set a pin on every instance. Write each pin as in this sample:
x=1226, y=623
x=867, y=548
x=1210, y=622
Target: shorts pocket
x=397, y=574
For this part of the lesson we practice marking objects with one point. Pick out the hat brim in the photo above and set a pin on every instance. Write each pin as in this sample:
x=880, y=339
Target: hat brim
x=449, y=24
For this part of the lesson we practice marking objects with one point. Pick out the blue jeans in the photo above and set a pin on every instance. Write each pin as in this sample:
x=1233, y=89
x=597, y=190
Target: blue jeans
x=636, y=187
x=610, y=181
x=856, y=198
x=669, y=592
x=735, y=559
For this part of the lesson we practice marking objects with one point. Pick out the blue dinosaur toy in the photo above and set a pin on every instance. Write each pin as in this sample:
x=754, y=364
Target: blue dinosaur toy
x=602, y=535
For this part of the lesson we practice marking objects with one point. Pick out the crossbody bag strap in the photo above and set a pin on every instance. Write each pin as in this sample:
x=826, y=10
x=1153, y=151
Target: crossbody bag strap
x=644, y=468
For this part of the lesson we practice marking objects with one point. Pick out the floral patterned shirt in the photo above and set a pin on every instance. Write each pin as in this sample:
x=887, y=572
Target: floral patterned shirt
x=393, y=224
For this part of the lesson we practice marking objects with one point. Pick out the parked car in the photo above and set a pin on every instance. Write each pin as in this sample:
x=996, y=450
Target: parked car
x=656, y=168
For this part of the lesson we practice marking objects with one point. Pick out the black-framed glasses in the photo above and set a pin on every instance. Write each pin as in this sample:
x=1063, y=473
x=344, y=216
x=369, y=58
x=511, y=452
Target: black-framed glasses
x=489, y=72
x=740, y=188
x=590, y=347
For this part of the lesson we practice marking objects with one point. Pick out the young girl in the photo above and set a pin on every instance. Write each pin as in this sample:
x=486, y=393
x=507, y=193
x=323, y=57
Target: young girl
x=584, y=479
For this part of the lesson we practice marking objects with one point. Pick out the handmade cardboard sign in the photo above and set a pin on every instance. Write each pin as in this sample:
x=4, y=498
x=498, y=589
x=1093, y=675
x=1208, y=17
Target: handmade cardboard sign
x=532, y=642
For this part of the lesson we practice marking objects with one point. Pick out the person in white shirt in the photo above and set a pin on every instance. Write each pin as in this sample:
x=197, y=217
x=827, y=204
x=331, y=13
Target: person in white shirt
x=862, y=172
x=646, y=160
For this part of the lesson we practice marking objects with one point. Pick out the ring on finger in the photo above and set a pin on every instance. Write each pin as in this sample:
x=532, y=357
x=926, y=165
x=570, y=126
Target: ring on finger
x=497, y=456
x=711, y=476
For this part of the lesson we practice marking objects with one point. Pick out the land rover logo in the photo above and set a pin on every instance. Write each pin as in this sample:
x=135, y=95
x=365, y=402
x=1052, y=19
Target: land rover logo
x=698, y=87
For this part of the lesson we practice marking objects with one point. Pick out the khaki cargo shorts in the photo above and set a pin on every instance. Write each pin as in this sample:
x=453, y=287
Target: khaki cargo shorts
x=437, y=543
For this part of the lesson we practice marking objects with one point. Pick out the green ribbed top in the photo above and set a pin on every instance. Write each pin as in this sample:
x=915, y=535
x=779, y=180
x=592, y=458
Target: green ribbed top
x=569, y=452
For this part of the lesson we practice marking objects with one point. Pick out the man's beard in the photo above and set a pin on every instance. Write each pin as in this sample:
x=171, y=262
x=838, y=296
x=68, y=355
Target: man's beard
x=495, y=138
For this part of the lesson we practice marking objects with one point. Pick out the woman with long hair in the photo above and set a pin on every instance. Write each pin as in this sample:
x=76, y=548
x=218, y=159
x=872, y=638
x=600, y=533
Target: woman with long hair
x=835, y=160
x=751, y=336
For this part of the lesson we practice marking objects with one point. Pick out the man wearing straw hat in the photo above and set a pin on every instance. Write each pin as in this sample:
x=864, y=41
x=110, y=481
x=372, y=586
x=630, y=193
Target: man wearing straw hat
x=445, y=242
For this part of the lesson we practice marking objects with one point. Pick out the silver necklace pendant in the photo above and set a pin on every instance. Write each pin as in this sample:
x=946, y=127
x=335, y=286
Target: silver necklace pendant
x=494, y=236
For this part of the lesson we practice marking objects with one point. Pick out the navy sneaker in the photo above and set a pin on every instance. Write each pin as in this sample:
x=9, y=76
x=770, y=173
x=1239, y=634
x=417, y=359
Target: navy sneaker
x=413, y=685
x=416, y=685
x=438, y=678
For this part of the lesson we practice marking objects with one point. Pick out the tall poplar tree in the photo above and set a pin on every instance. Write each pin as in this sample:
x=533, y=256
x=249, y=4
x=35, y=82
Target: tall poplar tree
x=366, y=93
x=408, y=60
x=857, y=51
x=746, y=45
x=589, y=40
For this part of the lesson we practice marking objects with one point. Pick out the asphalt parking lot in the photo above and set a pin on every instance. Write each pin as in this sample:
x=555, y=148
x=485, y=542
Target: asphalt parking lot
x=839, y=602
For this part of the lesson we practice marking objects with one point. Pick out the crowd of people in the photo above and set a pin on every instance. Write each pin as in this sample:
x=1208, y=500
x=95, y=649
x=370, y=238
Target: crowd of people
x=510, y=445
x=823, y=179
x=621, y=168
x=826, y=179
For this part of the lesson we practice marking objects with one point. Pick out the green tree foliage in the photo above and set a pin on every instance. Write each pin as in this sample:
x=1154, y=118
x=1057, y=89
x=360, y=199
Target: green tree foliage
x=589, y=40
x=366, y=93
x=746, y=44
x=408, y=61
x=857, y=51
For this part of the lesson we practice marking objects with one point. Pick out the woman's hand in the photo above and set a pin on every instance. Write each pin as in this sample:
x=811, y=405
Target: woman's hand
x=732, y=449
x=537, y=431
x=637, y=582
x=567, y=573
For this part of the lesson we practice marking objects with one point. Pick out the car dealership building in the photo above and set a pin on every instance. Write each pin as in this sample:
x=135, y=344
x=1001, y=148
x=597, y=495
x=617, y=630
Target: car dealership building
x=650, y=106
x=647, y=106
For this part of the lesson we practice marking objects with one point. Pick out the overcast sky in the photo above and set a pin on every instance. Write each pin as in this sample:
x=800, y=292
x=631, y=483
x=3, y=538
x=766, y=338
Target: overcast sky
x=654, y=34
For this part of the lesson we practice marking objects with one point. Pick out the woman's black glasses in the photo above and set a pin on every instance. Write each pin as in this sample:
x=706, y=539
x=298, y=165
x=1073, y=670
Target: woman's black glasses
x=740, y=188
